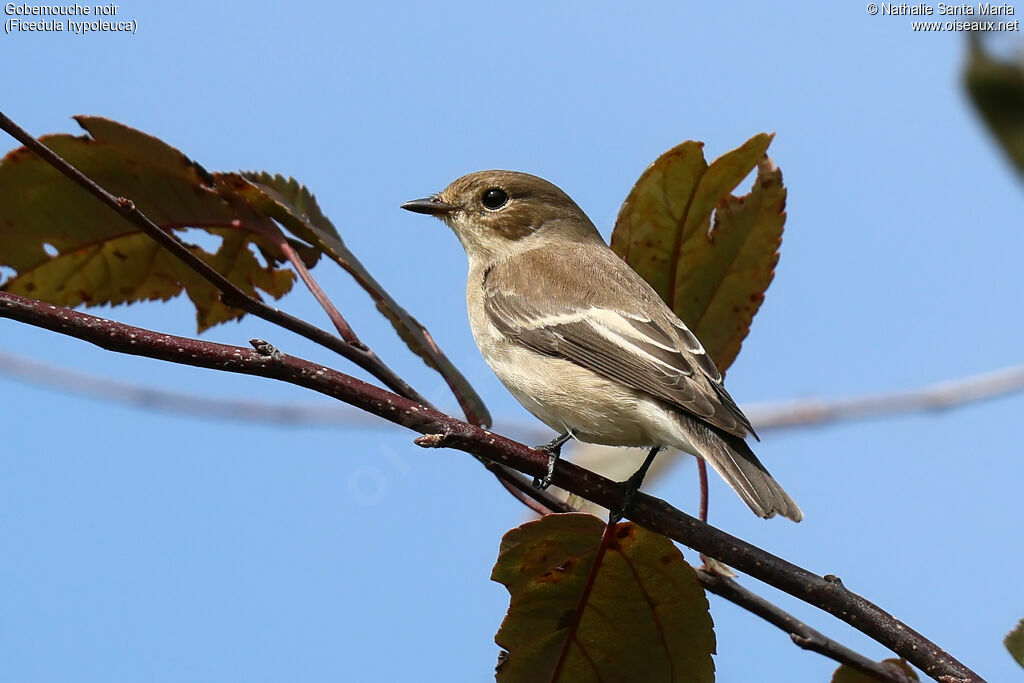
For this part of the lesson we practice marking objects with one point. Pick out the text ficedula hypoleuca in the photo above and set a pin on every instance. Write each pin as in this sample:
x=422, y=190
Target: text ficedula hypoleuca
x=582, y=341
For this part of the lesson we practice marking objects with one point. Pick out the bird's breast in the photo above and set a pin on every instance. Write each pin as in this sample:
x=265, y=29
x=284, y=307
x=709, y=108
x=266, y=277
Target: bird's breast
x=565, y=396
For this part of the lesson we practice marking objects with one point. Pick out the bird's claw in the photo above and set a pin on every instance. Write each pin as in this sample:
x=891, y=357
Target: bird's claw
x=632, y=485
x=615, y=516
x=553, y=449
x=544, y=482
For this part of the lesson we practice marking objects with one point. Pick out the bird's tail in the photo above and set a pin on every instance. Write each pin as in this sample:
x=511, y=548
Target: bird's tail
x=736, y=463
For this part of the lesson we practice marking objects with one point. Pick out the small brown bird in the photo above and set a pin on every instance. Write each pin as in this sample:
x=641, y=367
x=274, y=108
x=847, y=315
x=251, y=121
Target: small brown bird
x=583, y=342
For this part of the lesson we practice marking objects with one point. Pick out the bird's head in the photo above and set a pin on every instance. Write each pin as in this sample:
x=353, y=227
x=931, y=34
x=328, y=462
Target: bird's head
x=496, y=213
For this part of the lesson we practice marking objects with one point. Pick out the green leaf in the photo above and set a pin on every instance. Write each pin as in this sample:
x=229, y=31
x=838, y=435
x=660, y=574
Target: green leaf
x=845, y=674
x=295, y=208
x=646, y=620
x=1014, y=642
x=100, y=257
x=997, y=90
x=713, y=277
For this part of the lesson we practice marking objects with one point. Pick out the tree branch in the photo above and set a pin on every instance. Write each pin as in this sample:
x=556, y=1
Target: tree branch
x=802, y=635
x=422, y=341
x=826, y=593
x=340, y=324
x=939, y=396
x=352, y=348
x=301, y=413
x=179, y=402
x=767, y=416
x=231, y=294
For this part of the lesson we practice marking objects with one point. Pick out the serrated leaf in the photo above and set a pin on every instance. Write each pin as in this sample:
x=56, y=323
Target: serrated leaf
x=997, y=90
x=714, y=278
x=1014, y=642
x=293, y=206
x=845, y=674
x=646, y=620
x=100, y=257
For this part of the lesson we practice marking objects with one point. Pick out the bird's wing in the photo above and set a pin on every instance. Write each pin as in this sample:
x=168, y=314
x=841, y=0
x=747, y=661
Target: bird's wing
x=645, y=347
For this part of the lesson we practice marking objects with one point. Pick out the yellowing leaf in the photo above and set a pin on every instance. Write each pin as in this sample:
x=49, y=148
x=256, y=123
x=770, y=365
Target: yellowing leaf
x=713, y=277
x=236, y=261
x=845, y=674
x=100, y=257
x=68, y=248
x=646, y=620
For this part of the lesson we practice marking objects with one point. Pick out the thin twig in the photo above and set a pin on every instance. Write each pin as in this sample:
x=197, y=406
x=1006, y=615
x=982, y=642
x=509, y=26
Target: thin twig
x=827, y=593
x=471, y=404
x=231, y=294
x=180, y=402
x=776, y=415
x=340, y=324
x=421, y=341
x=799, y=632
x=939, y=396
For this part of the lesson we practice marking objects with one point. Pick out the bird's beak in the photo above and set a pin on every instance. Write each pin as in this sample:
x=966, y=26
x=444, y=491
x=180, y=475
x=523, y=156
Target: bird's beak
x=432, y=206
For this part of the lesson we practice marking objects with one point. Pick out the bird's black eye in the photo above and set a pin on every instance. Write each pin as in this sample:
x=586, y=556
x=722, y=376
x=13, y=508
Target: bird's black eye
x=494, y=198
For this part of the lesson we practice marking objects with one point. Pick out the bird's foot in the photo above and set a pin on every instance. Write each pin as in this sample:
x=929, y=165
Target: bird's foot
x=553, y=449
x=632, y=485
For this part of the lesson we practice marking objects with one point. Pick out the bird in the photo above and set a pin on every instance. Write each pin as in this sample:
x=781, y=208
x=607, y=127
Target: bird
x=583, y=342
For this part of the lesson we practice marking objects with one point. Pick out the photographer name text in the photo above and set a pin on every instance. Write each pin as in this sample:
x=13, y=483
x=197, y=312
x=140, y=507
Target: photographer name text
x=983, y=16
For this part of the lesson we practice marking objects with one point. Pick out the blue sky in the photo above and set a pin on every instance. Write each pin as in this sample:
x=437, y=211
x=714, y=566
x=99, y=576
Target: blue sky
x=147, y=546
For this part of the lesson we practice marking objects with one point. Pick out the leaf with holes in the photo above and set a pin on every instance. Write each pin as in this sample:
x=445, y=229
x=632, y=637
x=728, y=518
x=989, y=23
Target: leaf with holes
x=646, y=618
x=295, y=207
x=713, y=276
x=96, y=256
x=846, y=674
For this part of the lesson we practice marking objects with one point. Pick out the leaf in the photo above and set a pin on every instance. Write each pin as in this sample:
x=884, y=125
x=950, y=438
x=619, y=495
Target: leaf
x=1014, y=642
x=997, y=90
x=101, y=258
x=845, y=674
x=713, y=279
x=294, y=207
x=646, y=620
